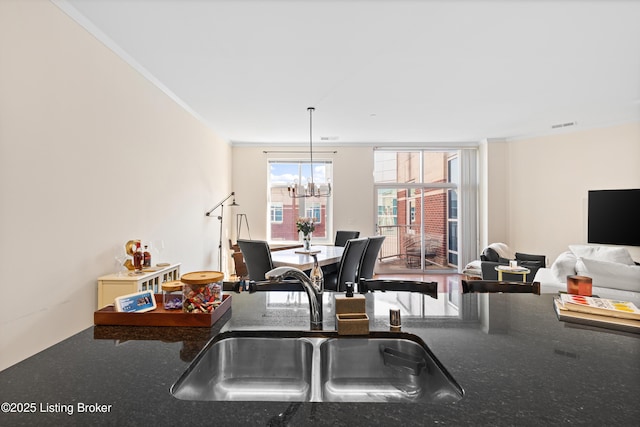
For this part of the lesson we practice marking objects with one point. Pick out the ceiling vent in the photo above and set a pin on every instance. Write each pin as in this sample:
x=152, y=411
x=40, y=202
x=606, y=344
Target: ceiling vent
x=564, y=125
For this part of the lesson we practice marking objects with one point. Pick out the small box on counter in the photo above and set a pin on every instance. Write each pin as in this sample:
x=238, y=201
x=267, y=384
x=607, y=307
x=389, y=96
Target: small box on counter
x=354, y=304
x=352, y=324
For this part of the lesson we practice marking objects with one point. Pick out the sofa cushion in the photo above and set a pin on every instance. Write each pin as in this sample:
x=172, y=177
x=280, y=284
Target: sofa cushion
x=563, y=266
x=540, y=259
x=530, y=264
x=607, y=274
x=602, y=253
x=521, y=263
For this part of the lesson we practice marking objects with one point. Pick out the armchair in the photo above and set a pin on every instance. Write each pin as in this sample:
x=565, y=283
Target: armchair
x=532, y=262
x=500, y=254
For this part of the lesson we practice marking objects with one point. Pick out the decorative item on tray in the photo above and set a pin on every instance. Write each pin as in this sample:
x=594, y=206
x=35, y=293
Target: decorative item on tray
x=138, y=302
x=172, y=295
x=202, y=291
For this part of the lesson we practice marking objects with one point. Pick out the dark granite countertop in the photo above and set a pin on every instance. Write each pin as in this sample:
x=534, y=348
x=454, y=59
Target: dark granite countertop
x=517, y=363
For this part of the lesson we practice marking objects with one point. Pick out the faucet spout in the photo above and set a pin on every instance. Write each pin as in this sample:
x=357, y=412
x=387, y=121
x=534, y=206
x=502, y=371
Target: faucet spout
x=314, y=291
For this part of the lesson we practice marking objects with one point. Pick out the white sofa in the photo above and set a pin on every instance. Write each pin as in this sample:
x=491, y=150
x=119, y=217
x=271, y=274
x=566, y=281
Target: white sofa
x=613, y=272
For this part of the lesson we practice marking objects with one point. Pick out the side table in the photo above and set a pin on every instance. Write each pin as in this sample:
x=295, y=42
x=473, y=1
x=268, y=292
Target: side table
x=512, y=270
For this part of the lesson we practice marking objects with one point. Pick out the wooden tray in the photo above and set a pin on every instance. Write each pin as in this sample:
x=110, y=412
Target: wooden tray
x=160, y=316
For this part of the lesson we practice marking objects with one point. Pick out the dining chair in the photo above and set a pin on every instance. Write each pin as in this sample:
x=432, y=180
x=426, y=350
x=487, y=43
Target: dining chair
x=343, y=235
x=348, y=266
x=368, y=262
x=495, y=286
x=257, y=257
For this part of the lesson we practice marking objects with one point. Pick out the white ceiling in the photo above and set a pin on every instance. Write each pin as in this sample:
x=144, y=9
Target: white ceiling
x=382, y=71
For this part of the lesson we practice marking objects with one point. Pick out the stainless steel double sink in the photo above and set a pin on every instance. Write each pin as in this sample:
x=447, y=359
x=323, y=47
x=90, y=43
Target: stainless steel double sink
x=316, y=366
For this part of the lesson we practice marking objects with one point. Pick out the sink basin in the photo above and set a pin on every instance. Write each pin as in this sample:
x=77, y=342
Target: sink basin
x=250, y=368
x=316, y=366
x=382, y=370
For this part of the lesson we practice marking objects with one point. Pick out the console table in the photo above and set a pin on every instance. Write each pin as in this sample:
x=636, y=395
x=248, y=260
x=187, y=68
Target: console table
x=115, y=285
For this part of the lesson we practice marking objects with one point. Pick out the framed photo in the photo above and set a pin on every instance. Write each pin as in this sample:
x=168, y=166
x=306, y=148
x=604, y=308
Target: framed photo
x=138, y=302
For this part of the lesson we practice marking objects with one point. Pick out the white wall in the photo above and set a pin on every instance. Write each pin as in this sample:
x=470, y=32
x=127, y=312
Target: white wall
x=493, y=202
x=91, y=155
x=547, y=180
x=353, y=197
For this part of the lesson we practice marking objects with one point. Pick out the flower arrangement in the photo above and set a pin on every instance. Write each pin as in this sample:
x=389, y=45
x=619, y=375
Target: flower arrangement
x=305, y=224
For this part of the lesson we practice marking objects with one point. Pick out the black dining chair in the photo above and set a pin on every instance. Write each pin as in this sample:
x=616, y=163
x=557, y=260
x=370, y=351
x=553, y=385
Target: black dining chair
x=343, y=235
x=368, y=262
x=348, y=266
x=257, y=257
x=495, y=286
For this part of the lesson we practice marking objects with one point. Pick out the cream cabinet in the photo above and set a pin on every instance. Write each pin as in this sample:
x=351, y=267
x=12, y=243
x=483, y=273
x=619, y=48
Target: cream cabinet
x=115, y=285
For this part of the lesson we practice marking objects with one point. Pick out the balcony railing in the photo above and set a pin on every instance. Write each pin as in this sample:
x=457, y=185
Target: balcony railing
x=404, y=242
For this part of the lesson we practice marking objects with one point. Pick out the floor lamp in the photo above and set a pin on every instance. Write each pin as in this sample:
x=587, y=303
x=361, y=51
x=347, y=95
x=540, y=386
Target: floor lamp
x=221, y=206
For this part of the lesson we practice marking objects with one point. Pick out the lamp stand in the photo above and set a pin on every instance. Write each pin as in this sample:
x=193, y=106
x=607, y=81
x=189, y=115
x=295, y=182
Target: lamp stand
x=220, y=217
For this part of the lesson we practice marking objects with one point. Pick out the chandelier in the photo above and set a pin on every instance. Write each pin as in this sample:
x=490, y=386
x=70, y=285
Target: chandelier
x=311, y=189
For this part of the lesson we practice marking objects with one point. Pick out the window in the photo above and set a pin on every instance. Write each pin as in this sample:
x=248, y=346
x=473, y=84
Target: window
x=314, y=210
x=453, y=173
x=412, y=211
x=286, y=210
x=276, y=212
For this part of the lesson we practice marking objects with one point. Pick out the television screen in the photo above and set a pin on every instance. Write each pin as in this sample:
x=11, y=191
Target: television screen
x=614, y=217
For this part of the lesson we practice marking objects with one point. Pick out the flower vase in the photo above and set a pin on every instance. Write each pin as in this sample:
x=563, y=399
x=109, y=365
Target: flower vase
x=306, y=241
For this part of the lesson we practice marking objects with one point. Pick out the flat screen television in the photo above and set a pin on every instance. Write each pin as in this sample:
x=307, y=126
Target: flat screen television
x=614, y=217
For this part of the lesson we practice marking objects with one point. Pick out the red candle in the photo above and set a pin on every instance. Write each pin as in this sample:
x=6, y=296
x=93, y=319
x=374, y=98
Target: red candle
x=579, y=285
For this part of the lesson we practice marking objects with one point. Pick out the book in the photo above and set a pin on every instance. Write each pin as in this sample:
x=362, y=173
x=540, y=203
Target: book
x=509, y=269
x=600, y=306
x=589, y=319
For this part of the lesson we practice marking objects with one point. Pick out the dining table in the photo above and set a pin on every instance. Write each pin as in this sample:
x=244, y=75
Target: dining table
x=303, y=259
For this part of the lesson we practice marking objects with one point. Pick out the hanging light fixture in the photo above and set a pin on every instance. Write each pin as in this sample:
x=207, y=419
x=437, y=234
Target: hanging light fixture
x=311, y=189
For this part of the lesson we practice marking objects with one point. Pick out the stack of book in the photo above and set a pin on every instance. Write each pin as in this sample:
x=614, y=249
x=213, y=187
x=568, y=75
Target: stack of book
x=602, y=312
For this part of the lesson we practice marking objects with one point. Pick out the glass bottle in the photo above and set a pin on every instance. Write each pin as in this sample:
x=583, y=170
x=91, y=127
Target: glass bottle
x=146, y=256
x=317, y=277
x=138, y=258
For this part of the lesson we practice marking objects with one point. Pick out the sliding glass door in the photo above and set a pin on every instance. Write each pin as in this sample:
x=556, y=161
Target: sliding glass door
x=416, y=209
